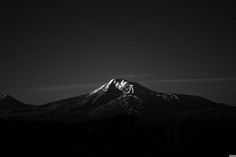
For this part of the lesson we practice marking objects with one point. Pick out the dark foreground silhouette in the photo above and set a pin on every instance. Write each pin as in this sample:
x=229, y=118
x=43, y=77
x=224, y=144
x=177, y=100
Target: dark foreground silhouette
x=120, y=118
x=119, y=136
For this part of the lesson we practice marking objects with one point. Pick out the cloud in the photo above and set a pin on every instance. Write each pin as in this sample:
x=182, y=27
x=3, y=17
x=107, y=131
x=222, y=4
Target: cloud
x=87, y=85
x=65, y=87
x=189, y=80
x=152, y=81
x=164, y=75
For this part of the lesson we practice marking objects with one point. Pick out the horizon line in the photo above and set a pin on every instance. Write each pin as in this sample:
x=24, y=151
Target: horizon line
x=94, y=85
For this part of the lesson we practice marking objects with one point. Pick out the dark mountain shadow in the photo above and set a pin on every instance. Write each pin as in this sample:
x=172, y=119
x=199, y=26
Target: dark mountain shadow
x=7, y=102
x=120, y=118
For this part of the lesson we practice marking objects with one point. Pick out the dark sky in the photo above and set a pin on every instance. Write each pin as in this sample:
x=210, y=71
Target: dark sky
x=55, y=50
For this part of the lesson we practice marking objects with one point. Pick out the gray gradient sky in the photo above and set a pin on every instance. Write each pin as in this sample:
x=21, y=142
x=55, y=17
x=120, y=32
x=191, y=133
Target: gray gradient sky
x=51, y=51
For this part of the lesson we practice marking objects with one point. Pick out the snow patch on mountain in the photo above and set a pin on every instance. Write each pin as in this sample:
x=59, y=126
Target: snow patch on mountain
x=124, y=86
x=119, y=84
x=103, y=88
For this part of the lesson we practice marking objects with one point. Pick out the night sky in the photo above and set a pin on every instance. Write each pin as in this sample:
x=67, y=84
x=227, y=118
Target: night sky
x=54, y=50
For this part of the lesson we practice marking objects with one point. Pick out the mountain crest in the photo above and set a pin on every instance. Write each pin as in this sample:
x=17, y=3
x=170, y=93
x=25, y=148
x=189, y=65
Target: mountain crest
x=123, y=85
x=116, y=84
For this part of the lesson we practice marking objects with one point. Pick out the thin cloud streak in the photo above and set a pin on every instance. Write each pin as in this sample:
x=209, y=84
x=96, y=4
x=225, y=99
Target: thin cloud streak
x=189, y=80
x=166, y=75
x=96, y=85
x=65, y=87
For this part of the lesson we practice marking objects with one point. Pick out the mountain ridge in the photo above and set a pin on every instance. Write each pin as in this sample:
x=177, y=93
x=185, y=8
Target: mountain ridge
x=7, y=102
x=118, y=96
x=122, y=116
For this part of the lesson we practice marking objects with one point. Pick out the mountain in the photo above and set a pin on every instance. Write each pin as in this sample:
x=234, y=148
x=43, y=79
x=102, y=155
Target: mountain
x=120, y=118
x=121, y=97
x=8, y=103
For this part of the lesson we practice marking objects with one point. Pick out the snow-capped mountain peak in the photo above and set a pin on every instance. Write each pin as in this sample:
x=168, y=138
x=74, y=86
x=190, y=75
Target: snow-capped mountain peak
x=116, y=97
x=103, y=88
x=118, y=84
x=125, y=86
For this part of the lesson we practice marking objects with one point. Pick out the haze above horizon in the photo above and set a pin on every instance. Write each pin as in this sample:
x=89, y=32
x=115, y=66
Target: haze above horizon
x=52, y=51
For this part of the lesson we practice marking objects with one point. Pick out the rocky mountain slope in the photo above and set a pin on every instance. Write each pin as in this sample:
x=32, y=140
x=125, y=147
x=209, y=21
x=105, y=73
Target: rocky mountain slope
x=118, y=97
x=120, y=118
